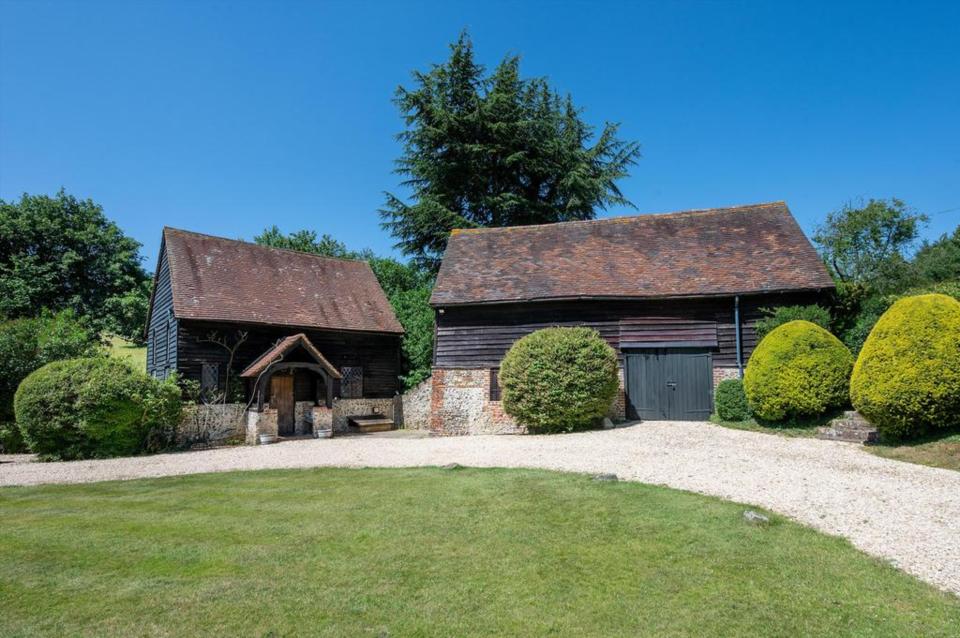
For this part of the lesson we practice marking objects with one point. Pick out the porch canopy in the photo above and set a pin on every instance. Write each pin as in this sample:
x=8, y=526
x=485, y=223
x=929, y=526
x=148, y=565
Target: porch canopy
x=277, y=359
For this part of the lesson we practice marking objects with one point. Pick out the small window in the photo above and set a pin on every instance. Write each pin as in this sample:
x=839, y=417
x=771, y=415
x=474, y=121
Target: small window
x=351, y=382
x=210, y=378
x=494, y=384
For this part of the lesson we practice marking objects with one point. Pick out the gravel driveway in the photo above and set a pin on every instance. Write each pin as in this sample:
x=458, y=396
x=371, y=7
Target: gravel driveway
x=906, y=513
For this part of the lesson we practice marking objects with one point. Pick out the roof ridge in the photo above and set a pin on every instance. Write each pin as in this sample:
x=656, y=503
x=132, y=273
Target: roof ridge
x=624, y=218
x=256, y=245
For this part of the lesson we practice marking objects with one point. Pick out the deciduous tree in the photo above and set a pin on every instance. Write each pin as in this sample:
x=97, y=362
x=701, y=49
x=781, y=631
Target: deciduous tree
x=61, y=252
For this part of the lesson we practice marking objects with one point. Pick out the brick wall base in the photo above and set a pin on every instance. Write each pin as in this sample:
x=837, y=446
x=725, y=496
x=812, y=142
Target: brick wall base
x=722, y=374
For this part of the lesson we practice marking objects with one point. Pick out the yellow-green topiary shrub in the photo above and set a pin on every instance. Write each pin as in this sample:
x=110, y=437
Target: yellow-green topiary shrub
x=907, y=378
x=797, y=370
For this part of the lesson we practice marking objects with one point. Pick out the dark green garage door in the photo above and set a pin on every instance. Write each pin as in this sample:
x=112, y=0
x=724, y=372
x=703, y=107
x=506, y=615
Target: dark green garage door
x=673, y=384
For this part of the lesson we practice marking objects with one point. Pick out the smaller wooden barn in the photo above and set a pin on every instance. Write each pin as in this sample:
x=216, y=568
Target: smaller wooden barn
x=676, y=295
x=303, y=340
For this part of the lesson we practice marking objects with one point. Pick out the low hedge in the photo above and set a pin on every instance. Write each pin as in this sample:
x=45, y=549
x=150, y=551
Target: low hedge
x=730, y=401
x=559, y=379
x=30, y=343
x=798, y=370
x=96, y=407
x=907, y=378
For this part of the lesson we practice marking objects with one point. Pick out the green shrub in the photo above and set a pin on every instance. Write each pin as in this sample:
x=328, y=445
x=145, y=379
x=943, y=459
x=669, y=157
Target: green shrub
x=907, y=378
x=27, y=344
x=776, y=317
x=95, y=407
x=798, y=370
x=11, y=441
x=730, y=401
x=559, y=379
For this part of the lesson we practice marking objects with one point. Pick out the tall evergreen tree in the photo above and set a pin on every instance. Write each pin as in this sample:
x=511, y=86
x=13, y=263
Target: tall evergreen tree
x=496, y=150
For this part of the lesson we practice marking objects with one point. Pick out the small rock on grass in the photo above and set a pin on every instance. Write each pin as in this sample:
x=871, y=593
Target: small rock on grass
x=605, y=477
x=451, y=466
x=756, y=517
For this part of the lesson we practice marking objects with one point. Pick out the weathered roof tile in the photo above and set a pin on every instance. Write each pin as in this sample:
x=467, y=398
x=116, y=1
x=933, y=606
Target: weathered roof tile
x=217, y=279
x=721, y=251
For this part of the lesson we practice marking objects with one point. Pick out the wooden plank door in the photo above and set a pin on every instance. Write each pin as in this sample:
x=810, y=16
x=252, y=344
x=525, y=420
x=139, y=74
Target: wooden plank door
x=669, y=384
x=693, y=394
x=645, y=386
x=281, y=398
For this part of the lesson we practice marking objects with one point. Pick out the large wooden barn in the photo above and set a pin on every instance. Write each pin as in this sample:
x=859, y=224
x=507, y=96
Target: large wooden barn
x=295, y=333
x=677, y=295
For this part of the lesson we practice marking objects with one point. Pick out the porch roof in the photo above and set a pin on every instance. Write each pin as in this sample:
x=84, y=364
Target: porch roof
x=283, y=347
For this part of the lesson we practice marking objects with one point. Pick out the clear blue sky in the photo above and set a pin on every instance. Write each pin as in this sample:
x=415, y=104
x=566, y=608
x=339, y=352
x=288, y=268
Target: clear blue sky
x=226, y=117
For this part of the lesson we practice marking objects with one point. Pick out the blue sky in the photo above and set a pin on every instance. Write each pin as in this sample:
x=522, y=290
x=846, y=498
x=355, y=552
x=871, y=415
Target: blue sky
x=226, y=117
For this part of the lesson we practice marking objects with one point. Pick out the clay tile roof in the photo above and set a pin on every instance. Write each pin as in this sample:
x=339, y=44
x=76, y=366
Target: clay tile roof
x=284, y=346
x=721, y=251
x=217, y=279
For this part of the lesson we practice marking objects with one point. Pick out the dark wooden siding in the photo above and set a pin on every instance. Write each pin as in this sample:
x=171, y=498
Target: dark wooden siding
x=377, y=354
x=479, y=336
x=161, y=325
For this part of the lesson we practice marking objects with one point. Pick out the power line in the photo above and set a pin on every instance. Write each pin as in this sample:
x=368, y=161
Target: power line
x=948, y=210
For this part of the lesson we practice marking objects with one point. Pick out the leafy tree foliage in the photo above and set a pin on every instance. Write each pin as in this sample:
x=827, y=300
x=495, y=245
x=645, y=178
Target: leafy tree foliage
x=496, y=150
x=867, y=244
x=780, y=315
x=413, y=310
x=407, y=288
x=60, y=252
x=939, y=260
x=305, y=241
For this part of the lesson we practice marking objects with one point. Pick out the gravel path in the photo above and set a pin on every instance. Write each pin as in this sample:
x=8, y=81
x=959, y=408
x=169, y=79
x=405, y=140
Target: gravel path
x=906, y=513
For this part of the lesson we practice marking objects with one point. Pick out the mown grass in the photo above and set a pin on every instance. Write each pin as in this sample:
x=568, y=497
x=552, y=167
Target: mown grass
x=942, y=450
x=804, y=428
x=120, y=348
x=431, y=552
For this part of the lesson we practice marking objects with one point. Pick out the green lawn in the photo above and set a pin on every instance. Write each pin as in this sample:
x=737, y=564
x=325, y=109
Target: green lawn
x=120, y=348
x=942, y=450
x=939, y=451
x=431, y=552
x=804, y=429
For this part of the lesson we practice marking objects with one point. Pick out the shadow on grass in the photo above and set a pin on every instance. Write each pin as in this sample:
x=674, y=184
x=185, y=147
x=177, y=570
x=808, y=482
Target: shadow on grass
x=936, y=449
x=794, y=427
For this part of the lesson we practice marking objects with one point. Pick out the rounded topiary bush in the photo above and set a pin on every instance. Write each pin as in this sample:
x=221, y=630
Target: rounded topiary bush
x=730, y=401
x=559, y=379
x=798, y=370
x=907, y=378
x=84, y=408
